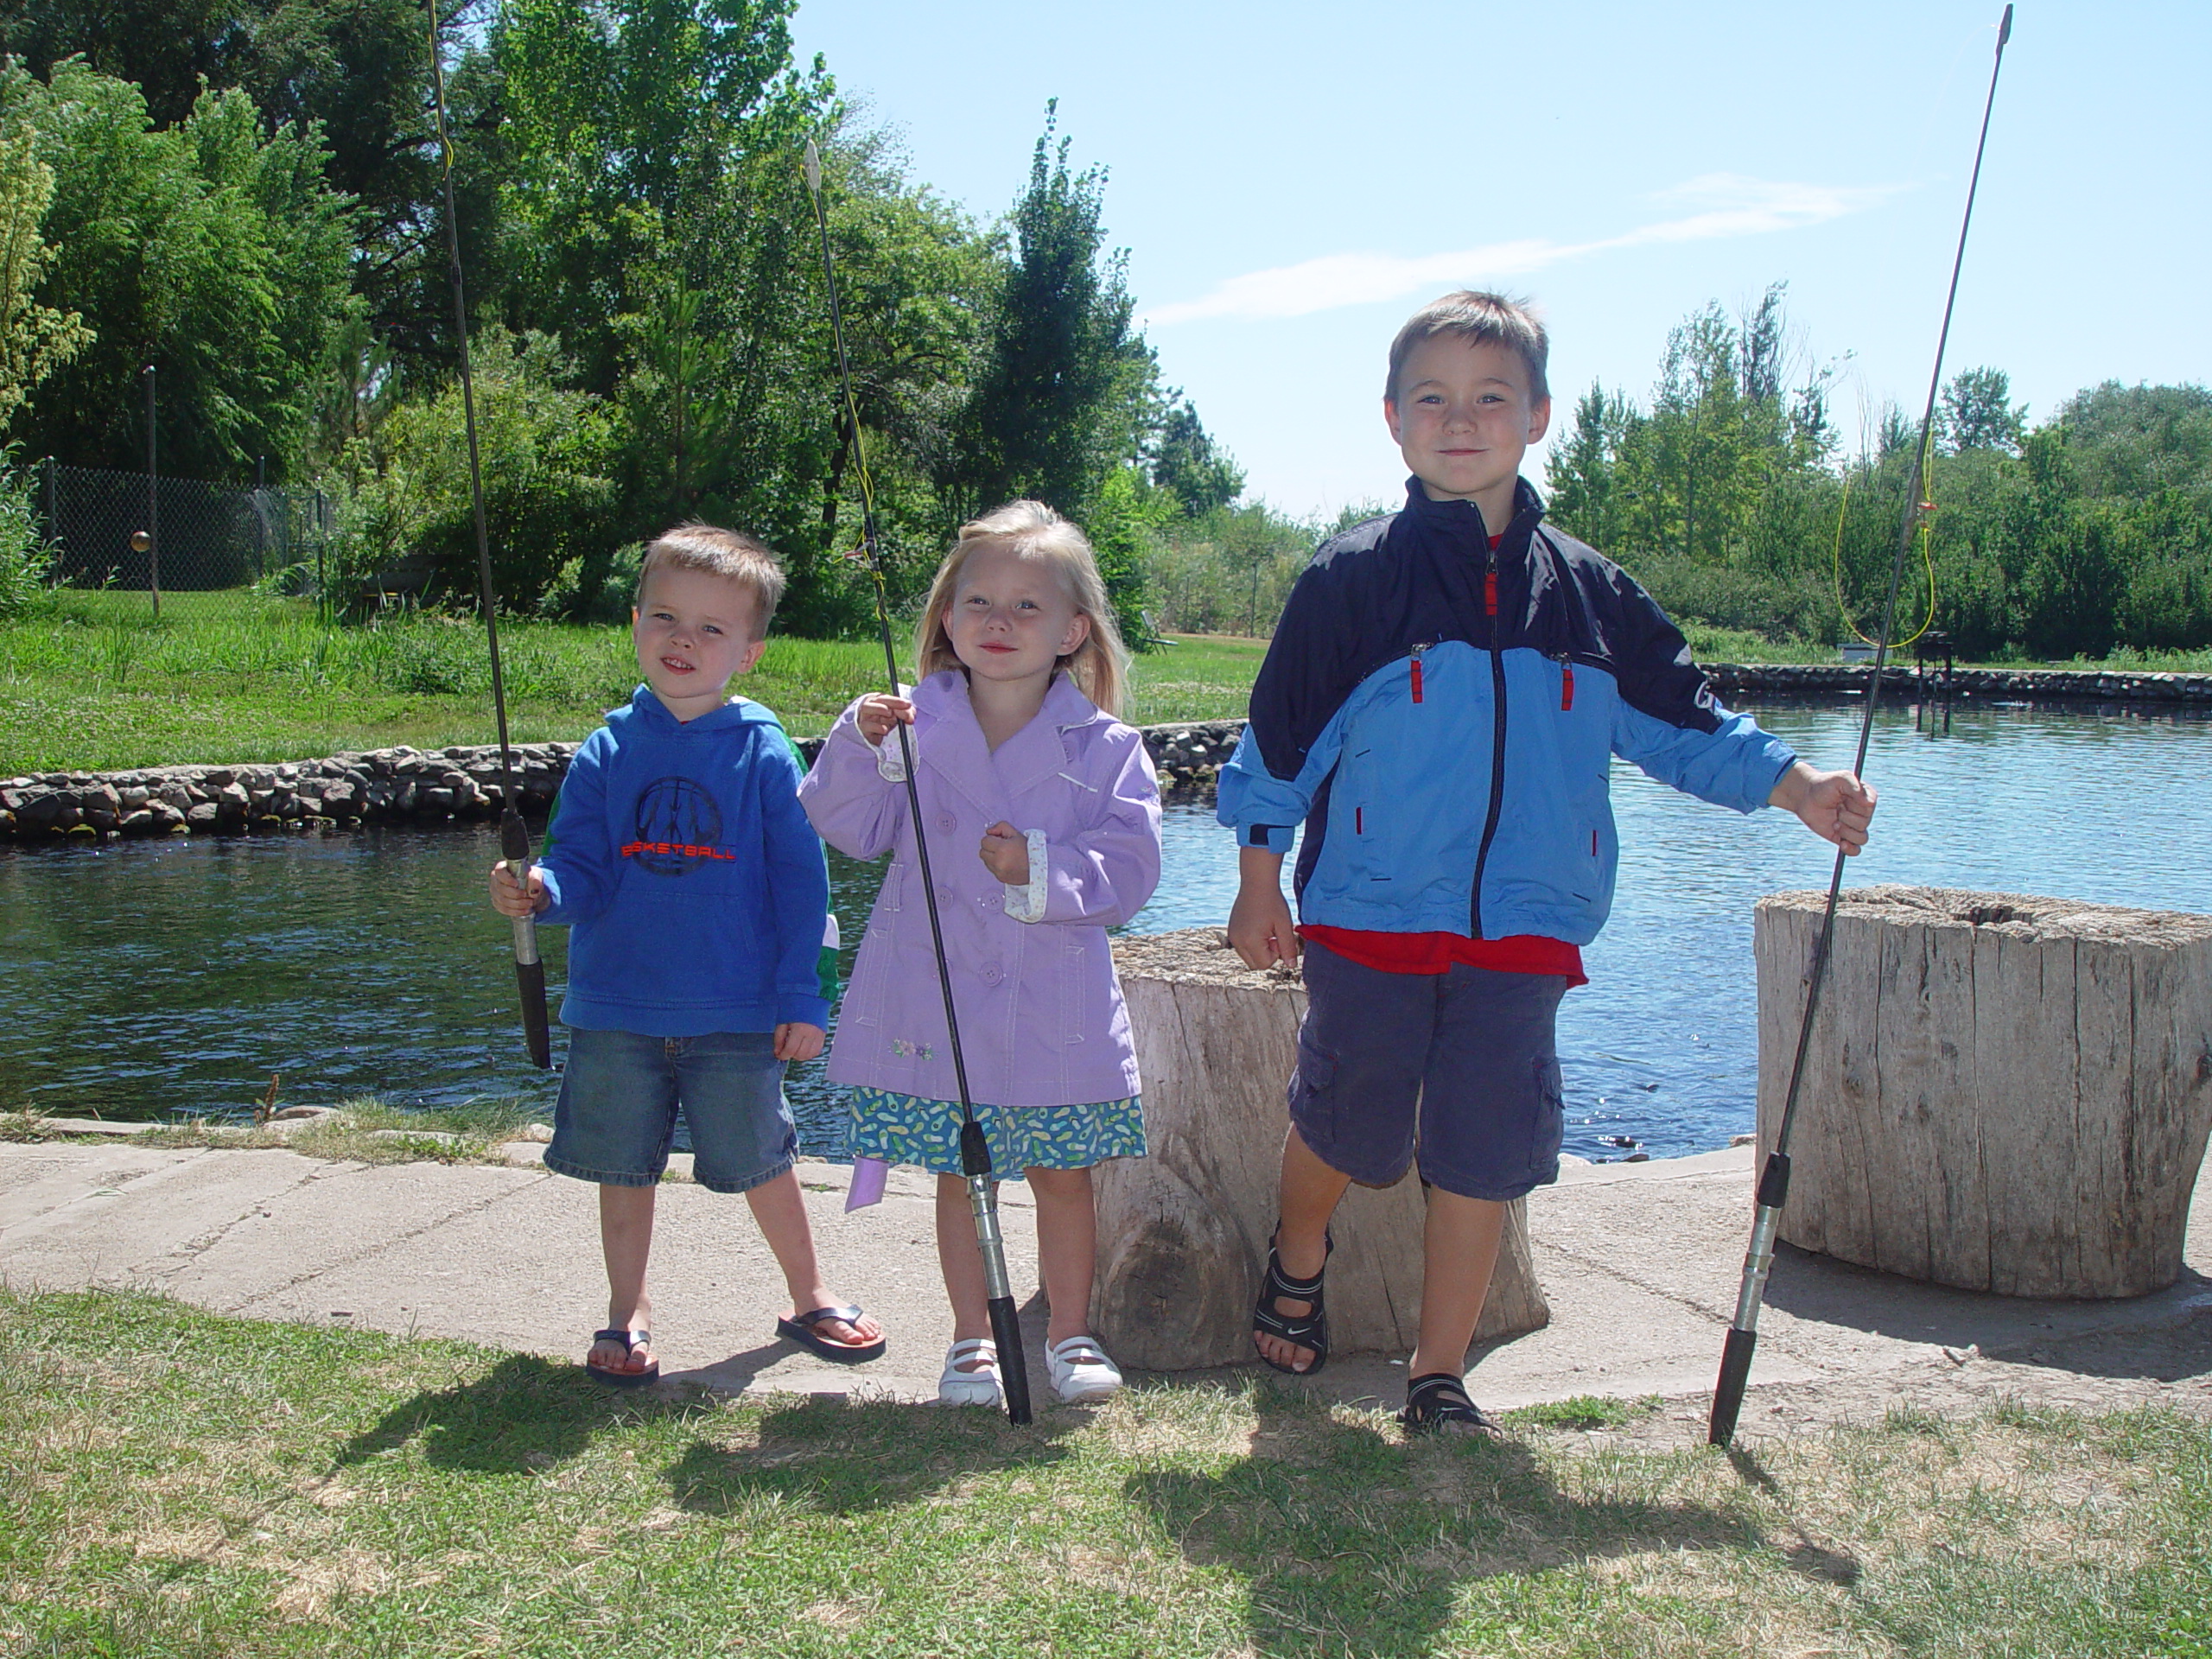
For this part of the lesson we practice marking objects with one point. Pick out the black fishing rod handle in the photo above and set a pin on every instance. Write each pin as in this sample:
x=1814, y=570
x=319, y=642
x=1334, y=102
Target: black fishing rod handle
x=1014, y=1362
x=537, y=1029
x=1728, y=1392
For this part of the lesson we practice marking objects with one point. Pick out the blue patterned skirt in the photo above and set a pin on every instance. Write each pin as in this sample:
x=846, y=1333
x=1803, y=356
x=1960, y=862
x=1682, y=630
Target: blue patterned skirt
x=908, y=1129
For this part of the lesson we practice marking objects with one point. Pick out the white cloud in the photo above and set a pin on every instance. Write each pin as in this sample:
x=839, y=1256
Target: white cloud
x=1725, y=204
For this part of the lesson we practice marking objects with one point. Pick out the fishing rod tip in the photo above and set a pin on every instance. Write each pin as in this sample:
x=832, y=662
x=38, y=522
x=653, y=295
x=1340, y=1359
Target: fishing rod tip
x=2004, y=28
x=813, y=165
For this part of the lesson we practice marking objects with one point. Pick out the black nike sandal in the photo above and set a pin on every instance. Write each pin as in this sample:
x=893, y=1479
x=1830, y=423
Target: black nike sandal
x=1307, y=1330
x=1437, y=1403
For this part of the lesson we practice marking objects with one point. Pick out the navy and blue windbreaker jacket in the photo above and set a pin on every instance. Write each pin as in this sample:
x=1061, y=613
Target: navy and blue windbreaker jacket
x=1443, y=718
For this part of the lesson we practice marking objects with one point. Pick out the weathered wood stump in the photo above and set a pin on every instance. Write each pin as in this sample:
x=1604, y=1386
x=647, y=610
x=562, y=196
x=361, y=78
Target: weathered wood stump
x=1183, y=1234
x=2003, y=1092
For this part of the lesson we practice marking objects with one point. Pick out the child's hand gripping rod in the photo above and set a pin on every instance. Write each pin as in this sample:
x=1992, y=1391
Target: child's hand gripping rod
x=514, y=834
x=1774, y=1180
x=975, y=1150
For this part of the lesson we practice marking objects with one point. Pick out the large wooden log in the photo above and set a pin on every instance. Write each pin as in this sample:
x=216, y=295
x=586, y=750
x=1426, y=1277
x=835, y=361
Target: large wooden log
x=2003, y=1092
x=1183, y=1234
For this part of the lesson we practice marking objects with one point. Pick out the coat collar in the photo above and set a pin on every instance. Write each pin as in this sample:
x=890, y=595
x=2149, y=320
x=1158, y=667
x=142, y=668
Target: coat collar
x=957, y=752
x=1462, y=520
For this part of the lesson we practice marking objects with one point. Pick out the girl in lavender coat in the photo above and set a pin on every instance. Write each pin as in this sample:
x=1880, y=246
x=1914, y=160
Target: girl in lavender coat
x=1043, y=816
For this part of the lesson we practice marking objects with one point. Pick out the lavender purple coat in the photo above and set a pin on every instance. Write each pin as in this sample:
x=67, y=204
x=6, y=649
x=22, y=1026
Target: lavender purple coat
x=1042, y=1021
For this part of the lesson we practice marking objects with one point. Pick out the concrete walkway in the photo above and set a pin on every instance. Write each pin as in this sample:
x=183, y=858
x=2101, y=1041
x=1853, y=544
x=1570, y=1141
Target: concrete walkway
x=1640, y=1262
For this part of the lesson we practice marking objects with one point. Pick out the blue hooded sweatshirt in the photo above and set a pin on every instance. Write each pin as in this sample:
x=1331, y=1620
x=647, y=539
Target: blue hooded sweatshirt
x=695, y=890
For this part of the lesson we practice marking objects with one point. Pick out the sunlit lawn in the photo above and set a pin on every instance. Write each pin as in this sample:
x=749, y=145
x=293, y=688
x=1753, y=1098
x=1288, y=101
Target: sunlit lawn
x=95, y=682
x=183, y=1484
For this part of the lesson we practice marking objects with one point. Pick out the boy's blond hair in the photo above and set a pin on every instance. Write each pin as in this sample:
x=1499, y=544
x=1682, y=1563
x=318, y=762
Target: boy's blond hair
x=1473, y=313
x=719, y=552
x=1034, y=531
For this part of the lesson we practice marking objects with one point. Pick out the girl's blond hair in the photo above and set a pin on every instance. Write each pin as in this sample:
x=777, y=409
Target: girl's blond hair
x=1099, y=666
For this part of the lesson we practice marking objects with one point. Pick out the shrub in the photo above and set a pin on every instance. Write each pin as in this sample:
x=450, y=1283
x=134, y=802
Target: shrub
x=547, y=458
x=1798, y=606
x=25, y=559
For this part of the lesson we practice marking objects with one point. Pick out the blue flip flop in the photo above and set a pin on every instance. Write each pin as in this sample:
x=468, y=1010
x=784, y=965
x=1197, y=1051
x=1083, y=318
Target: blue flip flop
x=800, y=1329
x=630, y=1340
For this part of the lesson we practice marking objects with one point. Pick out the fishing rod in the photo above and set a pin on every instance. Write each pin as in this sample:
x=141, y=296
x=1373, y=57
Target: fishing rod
x=975, y=1150
x=514, y=834
x=1773, y=1179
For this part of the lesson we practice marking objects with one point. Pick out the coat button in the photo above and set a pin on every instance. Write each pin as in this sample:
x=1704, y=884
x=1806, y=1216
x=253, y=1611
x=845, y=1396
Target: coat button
x=944, y=822
x=990, y=973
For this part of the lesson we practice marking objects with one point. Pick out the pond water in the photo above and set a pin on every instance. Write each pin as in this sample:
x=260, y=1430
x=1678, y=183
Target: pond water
x=156, y=977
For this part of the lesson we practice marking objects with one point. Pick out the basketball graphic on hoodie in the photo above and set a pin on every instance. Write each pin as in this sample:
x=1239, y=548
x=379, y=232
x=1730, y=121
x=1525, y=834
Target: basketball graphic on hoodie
x=679, y=821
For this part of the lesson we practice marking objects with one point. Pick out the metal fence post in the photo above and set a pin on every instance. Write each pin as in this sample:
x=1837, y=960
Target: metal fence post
x=153, y=501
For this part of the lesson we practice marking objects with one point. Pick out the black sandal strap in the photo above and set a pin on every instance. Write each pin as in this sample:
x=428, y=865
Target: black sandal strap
x=1435, y=1399
x=1309, y=1329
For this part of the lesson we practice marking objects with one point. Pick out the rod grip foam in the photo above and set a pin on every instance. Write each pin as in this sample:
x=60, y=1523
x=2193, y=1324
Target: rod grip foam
x=1013, y=1359
x=1728, y=1392
x=530, y=979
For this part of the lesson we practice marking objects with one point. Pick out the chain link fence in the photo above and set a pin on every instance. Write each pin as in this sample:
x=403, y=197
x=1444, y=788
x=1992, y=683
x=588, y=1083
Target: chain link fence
x=207, y=538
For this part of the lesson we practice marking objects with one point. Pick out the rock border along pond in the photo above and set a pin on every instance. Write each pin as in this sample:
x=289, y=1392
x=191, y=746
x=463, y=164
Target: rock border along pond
x=418, y=786
x=397, y=785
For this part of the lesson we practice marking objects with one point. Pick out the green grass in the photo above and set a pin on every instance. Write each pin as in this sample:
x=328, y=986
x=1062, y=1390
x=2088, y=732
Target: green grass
x=180, y=1484
x=93, y=681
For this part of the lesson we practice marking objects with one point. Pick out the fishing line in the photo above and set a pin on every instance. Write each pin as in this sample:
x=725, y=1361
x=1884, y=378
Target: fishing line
x=975, y=1149
x=1773, y=1179
x=514, y=834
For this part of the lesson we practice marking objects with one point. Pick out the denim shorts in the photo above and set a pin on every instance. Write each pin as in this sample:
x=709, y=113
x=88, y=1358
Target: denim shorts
x=1459, y=1067
x=621, y=1090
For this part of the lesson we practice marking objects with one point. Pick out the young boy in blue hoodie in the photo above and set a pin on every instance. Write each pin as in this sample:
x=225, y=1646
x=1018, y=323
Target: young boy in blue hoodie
x=1440, y=705
x=696, y=896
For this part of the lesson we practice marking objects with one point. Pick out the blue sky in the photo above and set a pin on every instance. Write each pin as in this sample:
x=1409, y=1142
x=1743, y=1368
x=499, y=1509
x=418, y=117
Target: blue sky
x=1291, y=179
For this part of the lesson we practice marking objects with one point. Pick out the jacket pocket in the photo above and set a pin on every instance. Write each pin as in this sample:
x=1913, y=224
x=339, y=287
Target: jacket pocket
x=1312, y=1094
x=1364, y=811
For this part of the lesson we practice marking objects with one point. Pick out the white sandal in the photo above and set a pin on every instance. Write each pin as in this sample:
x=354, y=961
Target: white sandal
x=1080, y=1369
x=977, y=1388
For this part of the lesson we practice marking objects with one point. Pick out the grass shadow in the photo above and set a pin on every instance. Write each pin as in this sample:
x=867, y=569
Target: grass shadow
x=527, y=1413
x=1349, y=1538
x=844, y=1456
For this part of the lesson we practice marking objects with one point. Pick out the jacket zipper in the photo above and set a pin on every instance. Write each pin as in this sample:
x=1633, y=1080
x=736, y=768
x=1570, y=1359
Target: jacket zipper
x=1418, y=649
x=1566, y=681
x=1497, y=745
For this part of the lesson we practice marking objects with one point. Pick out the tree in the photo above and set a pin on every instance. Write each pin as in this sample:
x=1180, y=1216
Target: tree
x=1060, y=400
x=35, y=339
x=1187, y=462
x=1978, y=413
x=357, y=69
x=214, y=252
x=1583, y=475
x=623, y=122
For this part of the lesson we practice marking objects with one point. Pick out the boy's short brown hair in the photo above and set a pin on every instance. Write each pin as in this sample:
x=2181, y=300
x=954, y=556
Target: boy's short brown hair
x=718, y=552
x=1473, y=314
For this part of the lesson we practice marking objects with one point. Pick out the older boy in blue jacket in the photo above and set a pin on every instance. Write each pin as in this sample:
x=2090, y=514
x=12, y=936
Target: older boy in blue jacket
x=1439, y=706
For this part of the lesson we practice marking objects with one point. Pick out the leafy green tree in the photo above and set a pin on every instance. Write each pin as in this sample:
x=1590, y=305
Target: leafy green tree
x=623, y=120
x=1582, y=475
x=1060, y=401
x=35, y=339
x=1187, y=462
x=356, y=69
x=206, y=249
x=1976, y=412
